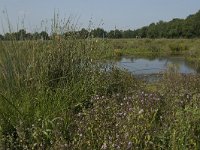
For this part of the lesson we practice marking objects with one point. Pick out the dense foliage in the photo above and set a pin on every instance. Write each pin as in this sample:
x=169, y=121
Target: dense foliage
x=176, y=28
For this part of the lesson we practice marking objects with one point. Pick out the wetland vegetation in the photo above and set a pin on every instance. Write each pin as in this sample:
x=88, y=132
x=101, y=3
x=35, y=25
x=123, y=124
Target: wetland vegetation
x=60, y=93
x=57, y=94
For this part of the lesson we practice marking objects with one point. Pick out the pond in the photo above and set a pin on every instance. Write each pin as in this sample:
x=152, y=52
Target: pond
x=153, y=66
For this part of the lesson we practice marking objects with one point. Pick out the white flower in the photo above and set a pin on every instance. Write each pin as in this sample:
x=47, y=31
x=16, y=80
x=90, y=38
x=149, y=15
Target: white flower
x=104, y=146
x=130, y=144
x=141, y=111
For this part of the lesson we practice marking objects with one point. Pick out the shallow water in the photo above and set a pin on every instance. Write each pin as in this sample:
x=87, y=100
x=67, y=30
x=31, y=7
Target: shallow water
x=146, y=66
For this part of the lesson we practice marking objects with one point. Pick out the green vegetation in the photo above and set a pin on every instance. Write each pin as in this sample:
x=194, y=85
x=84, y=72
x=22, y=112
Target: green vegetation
x=177, y=28
x=43, y=86
x=188, y=48
x=60, y=93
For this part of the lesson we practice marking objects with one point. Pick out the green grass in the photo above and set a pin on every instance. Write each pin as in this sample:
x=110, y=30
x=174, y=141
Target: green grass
x=60, y=94
x=155, y=47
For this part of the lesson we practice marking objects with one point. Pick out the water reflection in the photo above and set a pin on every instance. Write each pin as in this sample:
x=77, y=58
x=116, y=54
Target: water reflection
x=155, y=65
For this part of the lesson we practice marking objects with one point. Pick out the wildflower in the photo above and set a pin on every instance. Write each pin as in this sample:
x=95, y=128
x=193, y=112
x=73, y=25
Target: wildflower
x=120, y=114
x=108, y=107
x=130, y=144
x=104, y=146
x=125, y=98
x=79, y=114
x=130, y=109
x=141, y=111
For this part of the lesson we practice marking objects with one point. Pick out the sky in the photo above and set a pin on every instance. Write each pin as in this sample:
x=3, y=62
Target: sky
x=107, y=14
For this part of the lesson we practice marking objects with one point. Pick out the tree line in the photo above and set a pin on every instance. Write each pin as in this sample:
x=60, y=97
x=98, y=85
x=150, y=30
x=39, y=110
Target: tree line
x=23, y=35
x=176, y=28
x=83, y=33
